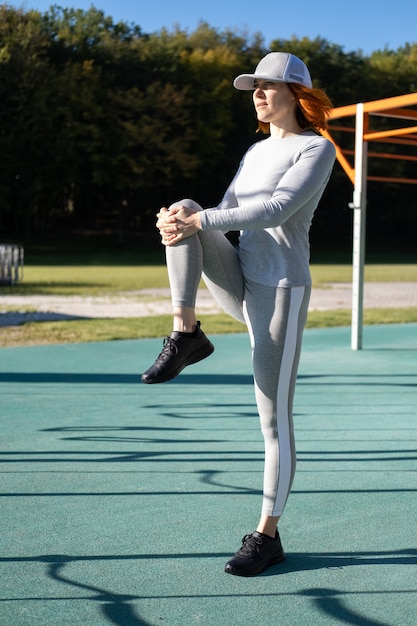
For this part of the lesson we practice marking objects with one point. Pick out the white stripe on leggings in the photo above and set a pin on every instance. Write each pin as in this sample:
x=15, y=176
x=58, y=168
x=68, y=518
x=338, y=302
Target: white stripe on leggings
x=284, y=386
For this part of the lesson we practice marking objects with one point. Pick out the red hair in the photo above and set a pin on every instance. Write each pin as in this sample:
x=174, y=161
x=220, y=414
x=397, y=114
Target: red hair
x=313, y=108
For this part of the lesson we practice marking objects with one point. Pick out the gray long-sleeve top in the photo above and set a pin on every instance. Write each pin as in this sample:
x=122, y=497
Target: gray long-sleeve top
x=271, y=200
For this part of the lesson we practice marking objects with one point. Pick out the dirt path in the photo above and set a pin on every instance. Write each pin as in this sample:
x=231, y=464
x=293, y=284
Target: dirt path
x=19, y=309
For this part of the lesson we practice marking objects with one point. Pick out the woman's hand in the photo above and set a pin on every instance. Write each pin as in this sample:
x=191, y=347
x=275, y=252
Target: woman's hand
x=177, y=224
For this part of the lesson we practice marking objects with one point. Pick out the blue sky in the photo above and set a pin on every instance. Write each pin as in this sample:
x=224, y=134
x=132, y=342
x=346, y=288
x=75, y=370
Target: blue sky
x=365, y=25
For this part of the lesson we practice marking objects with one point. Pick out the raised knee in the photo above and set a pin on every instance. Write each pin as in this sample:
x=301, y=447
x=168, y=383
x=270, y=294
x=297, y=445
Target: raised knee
x=190, y=204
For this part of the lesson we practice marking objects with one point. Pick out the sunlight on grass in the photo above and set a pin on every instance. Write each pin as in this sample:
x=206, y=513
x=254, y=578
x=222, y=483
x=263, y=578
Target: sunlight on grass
x=90, y=330
x=113, y=281
x=104, y=280
x=323, y=274
x=88, y=280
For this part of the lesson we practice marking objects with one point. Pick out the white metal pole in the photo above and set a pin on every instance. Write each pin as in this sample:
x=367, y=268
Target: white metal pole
x=359, y=229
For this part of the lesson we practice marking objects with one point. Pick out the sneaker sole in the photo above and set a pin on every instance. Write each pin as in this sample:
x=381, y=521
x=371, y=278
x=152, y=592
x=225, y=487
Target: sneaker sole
x=275, y=561
x=197, y=356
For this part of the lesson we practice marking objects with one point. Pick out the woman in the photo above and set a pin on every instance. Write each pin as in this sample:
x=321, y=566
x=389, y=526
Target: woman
x=265, y=282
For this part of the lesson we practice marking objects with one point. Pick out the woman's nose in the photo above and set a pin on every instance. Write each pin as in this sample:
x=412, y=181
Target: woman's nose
x=259, y=92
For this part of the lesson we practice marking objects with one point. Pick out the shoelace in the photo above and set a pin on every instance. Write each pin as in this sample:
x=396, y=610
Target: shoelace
x=249, y=542
x=170, y=349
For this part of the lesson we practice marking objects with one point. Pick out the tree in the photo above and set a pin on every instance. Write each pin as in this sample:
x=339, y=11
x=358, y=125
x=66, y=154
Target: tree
x=24, y=96
x=102, y=123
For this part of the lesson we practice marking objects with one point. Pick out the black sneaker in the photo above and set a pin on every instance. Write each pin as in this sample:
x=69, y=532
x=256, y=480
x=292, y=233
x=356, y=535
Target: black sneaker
x=258, y=551
x=180, y=350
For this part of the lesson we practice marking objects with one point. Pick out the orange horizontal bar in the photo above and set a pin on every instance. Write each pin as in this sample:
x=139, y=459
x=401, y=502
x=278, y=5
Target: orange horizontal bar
x=375, y=105
x=345, y=111
x=395, y=157
x=387, y=155
x=401, y=114
x=403, y=142
x=346, y=129
x=391, y=107
x=396, y=132
x=386, y=179
x=408, y=99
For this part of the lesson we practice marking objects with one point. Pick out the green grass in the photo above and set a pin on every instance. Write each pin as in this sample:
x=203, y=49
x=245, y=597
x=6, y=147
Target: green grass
x=94, y=280
x=81, y=331
x=374, y=273
x=111, y=280
x=88, y=280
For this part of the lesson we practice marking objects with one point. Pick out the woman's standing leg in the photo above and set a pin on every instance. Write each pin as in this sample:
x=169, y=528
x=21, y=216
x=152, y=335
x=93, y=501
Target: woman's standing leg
x=276, y=330
x=276, y=338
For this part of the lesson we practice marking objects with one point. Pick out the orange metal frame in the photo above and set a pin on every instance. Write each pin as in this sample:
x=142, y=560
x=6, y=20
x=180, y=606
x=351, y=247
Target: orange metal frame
x=389, y=108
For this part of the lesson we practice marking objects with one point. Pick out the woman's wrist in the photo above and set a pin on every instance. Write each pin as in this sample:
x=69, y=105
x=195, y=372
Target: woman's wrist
x=197, y=220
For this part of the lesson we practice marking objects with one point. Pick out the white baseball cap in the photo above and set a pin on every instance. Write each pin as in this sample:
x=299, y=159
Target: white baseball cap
x=281, y=67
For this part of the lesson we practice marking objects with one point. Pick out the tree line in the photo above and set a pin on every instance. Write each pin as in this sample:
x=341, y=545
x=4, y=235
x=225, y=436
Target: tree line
x=102, y=123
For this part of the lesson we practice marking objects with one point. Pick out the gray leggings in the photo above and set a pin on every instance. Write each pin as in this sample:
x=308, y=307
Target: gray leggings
x=275, y=318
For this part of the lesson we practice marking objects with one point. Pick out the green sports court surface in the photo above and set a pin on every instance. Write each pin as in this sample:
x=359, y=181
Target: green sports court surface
x=121, y=502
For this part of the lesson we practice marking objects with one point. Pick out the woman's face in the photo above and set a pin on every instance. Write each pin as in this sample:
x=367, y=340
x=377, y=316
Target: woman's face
x=274, y=103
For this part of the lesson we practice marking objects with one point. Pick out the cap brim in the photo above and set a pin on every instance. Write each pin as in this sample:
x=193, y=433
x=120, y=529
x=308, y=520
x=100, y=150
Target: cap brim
x=244, y=82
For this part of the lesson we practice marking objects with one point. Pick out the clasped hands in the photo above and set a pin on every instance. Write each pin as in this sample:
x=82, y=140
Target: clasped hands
x=177, y=223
